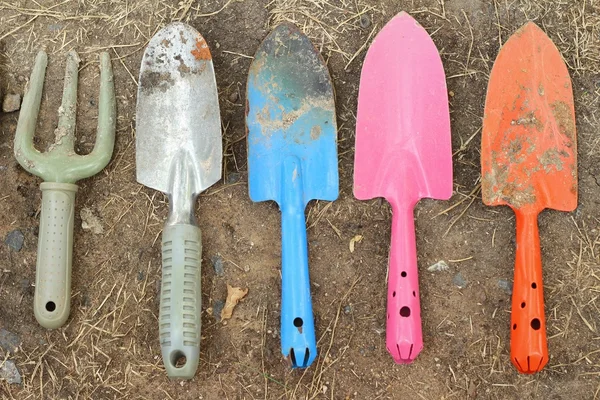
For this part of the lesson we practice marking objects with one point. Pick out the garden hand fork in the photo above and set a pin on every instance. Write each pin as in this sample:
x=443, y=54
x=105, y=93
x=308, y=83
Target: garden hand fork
x=60, y=167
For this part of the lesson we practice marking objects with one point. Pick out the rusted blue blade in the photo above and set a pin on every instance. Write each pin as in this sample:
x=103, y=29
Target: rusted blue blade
x=292, y=159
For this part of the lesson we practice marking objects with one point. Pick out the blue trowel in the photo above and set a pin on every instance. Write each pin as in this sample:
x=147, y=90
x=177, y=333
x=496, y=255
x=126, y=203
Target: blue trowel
x=292, y=159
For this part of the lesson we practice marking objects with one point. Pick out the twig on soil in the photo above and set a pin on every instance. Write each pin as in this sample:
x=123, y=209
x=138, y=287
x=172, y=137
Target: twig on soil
x=361, y=48
x=17, y=28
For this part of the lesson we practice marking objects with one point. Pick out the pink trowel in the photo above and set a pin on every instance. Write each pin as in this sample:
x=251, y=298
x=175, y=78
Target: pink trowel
x=404, y=154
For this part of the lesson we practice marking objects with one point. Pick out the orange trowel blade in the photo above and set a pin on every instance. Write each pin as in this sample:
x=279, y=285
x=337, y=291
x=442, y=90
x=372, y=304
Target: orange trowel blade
x=529, y=162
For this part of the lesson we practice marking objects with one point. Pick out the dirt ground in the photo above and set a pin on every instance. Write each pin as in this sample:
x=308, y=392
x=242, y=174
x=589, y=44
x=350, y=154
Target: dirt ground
x=109, y=348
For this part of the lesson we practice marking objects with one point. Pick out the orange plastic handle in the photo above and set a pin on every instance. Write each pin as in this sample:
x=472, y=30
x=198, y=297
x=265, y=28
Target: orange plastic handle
x=528, y=345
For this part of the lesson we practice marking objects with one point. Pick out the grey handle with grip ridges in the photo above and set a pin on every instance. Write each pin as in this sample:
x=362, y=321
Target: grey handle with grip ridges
x=52, y=301
x=180, y=299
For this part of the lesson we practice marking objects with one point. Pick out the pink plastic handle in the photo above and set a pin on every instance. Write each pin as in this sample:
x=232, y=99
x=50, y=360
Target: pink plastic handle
x=404, y=337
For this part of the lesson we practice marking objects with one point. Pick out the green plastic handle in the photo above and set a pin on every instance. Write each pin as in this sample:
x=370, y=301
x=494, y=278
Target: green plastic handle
x=180, y=300
x=52, y=300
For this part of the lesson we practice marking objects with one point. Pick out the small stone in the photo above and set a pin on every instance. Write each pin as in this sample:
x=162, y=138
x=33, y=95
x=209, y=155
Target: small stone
x=481, y=297
x=234, y=96
x=233, y=177
x=438, y=266
x=12, y=102
x=217, y=309
x=10, y=373
x=217, y=263
x=85, y=301
x=365, y=21
x=26, y=286
x=347, y=309
x=141, y=275
x=9, y=341
x=505, y=285
x=90, y=222
x=15, y=240
x=460, y=281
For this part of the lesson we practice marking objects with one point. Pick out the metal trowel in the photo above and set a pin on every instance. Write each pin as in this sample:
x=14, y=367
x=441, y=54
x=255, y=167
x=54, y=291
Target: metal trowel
x=178, y=151
x=292, y=159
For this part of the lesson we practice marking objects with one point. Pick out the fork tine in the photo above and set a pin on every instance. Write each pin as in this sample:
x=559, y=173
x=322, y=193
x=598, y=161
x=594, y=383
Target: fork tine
x=105, y=137
x=65, y=133
x=25, y=152
x=107, y=110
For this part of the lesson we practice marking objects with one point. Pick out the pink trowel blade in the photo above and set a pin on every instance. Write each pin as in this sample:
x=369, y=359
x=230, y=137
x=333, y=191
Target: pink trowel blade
x=403, y=153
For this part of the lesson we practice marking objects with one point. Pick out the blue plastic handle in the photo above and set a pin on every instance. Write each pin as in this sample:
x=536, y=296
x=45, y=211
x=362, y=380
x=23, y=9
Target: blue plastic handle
x=298, y=341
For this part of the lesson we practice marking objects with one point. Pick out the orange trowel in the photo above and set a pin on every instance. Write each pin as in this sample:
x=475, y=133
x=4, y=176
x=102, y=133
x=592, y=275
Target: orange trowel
x=529, y=162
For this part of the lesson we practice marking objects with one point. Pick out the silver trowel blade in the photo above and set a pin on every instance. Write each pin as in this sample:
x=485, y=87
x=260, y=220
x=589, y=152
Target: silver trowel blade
x=178, y=121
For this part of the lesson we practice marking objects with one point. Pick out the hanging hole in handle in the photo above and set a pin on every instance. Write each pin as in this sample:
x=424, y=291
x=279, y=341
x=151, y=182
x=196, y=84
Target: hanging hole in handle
x=405, y=312
x=403, y=274
x=50, y=306
x=178, y=359
x=536, y=324
x=298, y=322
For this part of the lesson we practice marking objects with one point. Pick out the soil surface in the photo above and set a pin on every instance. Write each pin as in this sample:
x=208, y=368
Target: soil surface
x=109, y=347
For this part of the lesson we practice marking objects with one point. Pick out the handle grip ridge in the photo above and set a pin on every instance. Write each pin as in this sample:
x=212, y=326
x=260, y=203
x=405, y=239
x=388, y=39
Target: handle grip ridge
x=180, y=300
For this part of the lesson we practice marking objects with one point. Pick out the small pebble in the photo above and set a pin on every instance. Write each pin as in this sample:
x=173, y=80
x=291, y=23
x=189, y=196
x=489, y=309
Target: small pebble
x=26, y=286
x=12, y=102
x=365, y=21
x=217, y=263
x=460, y=281
x=217, y=308
x=438, y=266
x=15, y=240
x=233, y=177
x=505, y=285
x=9, y=341
x=85, y=301
x=10, y=373
x=347, y=309
x=141, y=275
x=234, y=96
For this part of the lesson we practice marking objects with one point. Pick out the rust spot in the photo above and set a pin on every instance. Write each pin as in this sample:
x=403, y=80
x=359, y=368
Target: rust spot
x=182, y=37
x=151, y=80
x=183, y=69
x=201, y=52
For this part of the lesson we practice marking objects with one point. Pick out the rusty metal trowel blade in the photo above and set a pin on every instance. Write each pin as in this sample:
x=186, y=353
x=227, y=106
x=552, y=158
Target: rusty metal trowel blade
x=178, y=118
x=529, y=145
